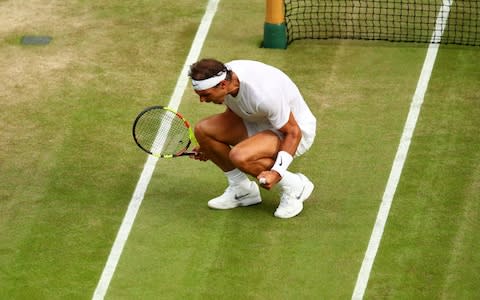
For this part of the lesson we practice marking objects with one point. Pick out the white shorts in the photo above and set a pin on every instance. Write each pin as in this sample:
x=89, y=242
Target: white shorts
x=305, y=143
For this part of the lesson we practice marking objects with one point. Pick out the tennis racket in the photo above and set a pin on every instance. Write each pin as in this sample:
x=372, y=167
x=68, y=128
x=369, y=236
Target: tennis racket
x=162, y=132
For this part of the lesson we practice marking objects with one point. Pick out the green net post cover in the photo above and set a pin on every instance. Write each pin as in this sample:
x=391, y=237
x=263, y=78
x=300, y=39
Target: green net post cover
x=275, y=36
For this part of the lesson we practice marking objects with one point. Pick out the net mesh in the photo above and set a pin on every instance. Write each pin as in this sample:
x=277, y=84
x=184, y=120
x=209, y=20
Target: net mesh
x=388, y=20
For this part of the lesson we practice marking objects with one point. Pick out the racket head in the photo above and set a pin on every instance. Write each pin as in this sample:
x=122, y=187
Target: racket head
x=162, y=132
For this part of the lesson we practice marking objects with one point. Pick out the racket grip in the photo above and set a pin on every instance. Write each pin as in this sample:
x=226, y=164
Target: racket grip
x=262, y=180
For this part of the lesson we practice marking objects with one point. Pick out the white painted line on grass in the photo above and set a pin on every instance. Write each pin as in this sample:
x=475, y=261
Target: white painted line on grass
x=151, y=162
x=402, y=152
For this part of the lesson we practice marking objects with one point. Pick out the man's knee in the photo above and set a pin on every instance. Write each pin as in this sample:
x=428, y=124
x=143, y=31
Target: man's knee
x=239, y=157
x=203, y=128
x=199, y=128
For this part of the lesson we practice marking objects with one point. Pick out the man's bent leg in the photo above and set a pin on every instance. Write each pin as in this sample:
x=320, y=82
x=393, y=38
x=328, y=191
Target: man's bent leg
x=257, y=153
x=215, y=136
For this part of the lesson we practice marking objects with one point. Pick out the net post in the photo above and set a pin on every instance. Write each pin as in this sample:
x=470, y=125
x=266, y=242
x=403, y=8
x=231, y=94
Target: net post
x=275, y=29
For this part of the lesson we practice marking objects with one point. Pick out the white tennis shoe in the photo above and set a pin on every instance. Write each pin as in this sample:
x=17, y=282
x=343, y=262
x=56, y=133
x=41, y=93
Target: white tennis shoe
x=291, y=201
x=235, y=196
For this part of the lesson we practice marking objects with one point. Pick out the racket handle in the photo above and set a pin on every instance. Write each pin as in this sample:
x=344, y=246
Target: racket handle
x=187, y=153
x=262, y=180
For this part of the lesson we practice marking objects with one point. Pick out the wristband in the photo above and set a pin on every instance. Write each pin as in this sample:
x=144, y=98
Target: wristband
x=284, y=159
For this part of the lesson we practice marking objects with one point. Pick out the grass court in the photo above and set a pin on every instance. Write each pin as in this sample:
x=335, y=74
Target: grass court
x=68, y=164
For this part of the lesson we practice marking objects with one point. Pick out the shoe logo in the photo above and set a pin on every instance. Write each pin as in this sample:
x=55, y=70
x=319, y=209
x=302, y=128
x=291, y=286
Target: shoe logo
x=237, y=197
x=300, y=195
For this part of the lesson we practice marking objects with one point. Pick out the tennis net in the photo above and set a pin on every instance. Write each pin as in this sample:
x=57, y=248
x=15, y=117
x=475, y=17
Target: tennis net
x=388, y=20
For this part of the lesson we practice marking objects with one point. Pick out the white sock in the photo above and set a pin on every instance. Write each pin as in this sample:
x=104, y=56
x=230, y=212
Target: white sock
x=237, y=177
x=289, y=180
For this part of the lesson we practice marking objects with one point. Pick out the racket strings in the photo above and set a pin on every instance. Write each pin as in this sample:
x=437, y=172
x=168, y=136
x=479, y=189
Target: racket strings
x=162, y=132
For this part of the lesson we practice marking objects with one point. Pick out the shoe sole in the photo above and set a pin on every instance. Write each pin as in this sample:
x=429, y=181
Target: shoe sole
x=239, y=204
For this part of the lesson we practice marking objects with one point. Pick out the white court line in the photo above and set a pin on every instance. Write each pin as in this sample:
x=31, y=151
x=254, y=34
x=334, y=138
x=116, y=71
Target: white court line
x=149, y=166
x=402, y=152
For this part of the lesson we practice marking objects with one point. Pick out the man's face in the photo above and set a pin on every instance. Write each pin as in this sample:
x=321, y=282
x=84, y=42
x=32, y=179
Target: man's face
x=214, y=95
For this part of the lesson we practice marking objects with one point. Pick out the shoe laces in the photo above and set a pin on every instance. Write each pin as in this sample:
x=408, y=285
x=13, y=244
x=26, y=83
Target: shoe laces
x=230, y=190
x=286, y=198
x=233, y=189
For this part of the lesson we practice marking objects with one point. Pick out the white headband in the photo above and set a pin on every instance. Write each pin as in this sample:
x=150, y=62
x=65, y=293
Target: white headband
x=200, y=85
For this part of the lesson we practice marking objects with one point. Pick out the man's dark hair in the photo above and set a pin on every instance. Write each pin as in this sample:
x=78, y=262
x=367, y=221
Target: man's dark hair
x=206, y=68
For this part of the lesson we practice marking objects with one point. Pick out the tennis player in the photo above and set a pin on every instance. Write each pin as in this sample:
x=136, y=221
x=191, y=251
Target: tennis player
x=265, y=125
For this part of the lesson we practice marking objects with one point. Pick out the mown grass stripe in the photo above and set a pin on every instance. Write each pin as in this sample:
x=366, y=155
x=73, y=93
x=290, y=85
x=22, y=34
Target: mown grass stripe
x=401, y=155
x=149, y=167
